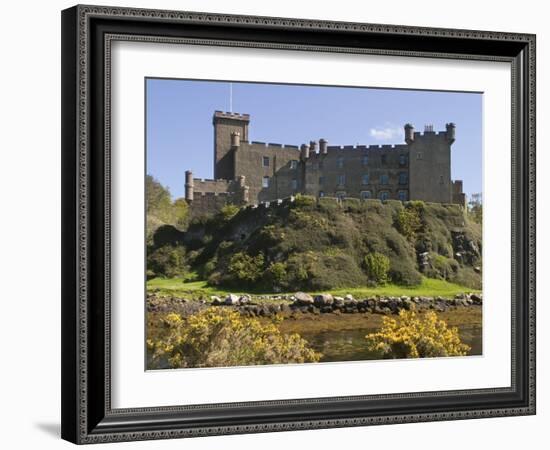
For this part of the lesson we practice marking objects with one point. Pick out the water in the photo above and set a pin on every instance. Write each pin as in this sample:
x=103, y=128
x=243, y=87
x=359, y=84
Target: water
x=349, y=345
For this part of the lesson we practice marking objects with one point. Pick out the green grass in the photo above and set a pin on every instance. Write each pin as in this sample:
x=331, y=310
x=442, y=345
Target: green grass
x=196, y=289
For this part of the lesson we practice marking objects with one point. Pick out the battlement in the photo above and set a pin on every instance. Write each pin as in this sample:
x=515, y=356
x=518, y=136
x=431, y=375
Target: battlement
x=269, y=144
x=231, y=115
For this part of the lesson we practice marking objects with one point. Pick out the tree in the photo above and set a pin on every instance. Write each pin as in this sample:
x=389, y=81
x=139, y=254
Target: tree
x=158, y=199
x=475, y=208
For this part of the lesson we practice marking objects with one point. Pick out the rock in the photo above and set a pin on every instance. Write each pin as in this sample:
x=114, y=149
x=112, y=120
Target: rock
x=245, y=299
x=349, y=298
x=339, y=301
x=476, y=299
x=232, y=299
x=303, y=298
x=323, y=300
x=477, y=269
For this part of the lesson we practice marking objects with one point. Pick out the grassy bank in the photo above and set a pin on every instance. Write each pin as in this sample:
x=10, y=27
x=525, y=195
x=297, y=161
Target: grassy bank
x=429, y=287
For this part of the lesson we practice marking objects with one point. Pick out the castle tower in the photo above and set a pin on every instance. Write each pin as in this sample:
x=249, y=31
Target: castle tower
x=189, y=186
x=229, y=129
x=430, y=164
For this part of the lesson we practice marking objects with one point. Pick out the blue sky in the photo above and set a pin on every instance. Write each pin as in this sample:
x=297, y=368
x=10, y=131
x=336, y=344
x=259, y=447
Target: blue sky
x=180, y=132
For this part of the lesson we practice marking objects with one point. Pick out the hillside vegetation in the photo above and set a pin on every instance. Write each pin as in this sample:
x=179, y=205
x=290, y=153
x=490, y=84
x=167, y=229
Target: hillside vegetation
x=318, y=245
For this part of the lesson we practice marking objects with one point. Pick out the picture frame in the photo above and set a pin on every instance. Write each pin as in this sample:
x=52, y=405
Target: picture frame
x=88, y=33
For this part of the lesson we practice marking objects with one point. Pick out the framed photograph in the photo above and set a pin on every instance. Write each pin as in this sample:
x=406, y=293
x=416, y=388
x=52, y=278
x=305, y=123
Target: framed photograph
x=280, y=224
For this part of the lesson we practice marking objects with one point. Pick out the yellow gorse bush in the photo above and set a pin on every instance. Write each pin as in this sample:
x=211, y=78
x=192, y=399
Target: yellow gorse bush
x=415, y=336
x=218, y=337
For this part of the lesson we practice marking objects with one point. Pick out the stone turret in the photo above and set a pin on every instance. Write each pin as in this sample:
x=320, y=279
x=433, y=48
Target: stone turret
x=304, y=152
x=235, y=139
x=323, y=146
x=451, y=132
x=189, y=186
x=409, y=133
x=313, y=146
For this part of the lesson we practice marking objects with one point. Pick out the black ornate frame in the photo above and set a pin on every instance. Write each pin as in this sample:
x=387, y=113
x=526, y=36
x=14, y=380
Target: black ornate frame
x=87, y=32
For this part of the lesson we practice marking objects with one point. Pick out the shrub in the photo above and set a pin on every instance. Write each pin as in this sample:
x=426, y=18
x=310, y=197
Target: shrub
x=228, y=212
x=245, y=268
x=413, y=336
x=304, y=201
x=218, y=337
x=275, y=275
x=408, y=221
x=167, y=262
x=377, y=267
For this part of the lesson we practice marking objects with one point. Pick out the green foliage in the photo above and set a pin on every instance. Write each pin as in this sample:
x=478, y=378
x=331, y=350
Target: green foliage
x=275, y=276
x=304, y=201
x=475, y=209
x=409, y=220
x=414, y=336
x=159, y=206
x=220, y=337
x=377, y=267
x=229, y=211
x=167, y=261
x=244, y=269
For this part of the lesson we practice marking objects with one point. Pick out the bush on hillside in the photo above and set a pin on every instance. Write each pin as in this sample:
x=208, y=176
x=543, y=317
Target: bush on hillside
x=377, y=267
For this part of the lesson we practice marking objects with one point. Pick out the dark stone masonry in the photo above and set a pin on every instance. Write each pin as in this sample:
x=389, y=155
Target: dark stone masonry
x=248, y=172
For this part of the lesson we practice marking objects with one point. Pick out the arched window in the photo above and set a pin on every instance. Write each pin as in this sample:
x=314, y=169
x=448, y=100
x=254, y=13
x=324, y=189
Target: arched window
x=341, y=180
x=384, y=179
x=340, y=162
x=403, y=178
x=265, y=182
x=365, y=179
x=403, y=196
x=365, y=160
x=384, y=195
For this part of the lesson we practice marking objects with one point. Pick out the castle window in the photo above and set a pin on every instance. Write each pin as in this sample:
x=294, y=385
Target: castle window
x=365, y=195
x=340, y=162
x=418, y=155
x=402, y=160
x=365, y=179
x=341, y=180
x=441, y=179
x=403, y=178
x=321, y=180
x=384, y=179
x=293, y=164
x=321, y=194
x=402, y=196
x=265, y=161
x=384, y=195
x=265, y=182
x=365, y=160
x=383, y=159
x=294, y=183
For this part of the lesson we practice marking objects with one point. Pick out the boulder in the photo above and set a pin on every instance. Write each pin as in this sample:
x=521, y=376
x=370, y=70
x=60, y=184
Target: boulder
x=232, y=299
x=323, y=300
x=349, y=298
x=244, y=299
x=303, y=299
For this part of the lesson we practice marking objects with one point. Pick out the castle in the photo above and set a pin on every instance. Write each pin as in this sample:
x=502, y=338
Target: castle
x=255, y=172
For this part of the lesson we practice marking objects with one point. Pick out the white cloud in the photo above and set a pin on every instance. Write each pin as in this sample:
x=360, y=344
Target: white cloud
x=386, y=133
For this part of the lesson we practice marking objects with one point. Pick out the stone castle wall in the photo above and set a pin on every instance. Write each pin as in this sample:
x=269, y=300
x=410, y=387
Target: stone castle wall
x=254, y=172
